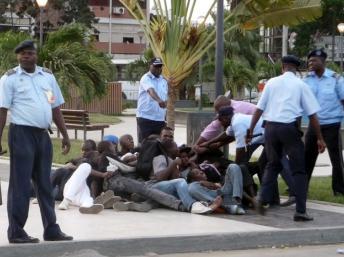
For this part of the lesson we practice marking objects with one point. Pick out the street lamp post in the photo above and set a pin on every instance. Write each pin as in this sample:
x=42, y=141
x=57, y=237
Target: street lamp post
x=41, y=4
x=340, y=27
x=219, y=49
x=110, y=28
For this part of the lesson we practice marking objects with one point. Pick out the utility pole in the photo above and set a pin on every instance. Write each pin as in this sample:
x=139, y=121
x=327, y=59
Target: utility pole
x=219, y=49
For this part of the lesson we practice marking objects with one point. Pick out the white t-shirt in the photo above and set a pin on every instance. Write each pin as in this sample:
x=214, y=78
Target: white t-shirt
x=239, y=126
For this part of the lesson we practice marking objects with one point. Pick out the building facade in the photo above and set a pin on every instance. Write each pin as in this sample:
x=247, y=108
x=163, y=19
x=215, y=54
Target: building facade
x=118, y=33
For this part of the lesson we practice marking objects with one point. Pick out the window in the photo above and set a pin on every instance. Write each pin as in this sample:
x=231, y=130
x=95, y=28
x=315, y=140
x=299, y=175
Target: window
x=128, y=40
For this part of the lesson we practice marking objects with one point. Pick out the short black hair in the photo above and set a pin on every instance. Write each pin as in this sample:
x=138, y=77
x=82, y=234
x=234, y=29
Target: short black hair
x=184, y=149
x=90, y=145
x=104, y=146
x=166, y=128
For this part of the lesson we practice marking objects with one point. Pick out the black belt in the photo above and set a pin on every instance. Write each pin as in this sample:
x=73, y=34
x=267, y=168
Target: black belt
x=294, y=123
x=35, y=129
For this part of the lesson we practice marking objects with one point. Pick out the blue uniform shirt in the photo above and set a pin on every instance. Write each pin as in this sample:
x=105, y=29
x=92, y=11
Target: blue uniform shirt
x=285, y=98
x=30, y=97
x=147, y=107
x=329, y=91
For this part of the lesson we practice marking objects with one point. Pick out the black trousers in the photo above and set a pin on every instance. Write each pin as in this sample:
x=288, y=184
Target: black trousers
x=280, y=139
x=147, y=127
x=331, y=134
x=30, y=159
x=120, y=184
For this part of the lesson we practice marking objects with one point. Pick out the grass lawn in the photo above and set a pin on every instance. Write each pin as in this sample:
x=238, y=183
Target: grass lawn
x=101, y=118
x=58, y=156
x=320, y=189
x=75, y=144
x=195, y=109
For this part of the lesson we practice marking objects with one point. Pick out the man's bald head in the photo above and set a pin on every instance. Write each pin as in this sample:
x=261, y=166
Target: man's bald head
x=221, y=101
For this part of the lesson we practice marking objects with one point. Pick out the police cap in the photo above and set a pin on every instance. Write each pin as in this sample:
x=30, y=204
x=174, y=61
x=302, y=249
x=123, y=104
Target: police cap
x=25, y=45
x=318, y=53
x=291, y=59
x=156, y=61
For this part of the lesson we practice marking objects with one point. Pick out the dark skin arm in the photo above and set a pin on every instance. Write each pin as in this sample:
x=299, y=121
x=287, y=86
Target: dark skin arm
x=314, y=122
x=3, y=117
x=59, y=121
x=171, y=171
x=210, y=185
x=155, y=96
x=220, y=138
x=99, y=174
x=256, y=116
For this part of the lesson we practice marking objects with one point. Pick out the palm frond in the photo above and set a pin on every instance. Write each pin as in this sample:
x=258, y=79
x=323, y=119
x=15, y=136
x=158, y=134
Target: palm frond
x=300, y=11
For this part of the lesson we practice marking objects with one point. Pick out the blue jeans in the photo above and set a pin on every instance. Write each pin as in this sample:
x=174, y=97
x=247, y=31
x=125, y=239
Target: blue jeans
x=233, y=187
x=178, y=188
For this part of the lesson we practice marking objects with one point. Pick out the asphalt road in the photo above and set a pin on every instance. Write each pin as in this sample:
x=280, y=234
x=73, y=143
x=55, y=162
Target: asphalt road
x=302, y=251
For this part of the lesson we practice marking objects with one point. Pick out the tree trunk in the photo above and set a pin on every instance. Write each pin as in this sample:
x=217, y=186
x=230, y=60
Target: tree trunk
x=172, y=93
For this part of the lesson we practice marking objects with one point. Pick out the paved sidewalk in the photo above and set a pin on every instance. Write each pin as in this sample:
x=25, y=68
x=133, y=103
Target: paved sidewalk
x=165, y=231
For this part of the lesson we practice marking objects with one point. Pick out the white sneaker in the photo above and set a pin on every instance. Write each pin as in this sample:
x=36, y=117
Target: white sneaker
x=64, y=205
x=199, y=208
x=236, y=210
x=34, y=201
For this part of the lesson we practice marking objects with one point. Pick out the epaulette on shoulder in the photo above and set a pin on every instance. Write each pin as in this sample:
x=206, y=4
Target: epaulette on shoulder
x=10, y=72
x=335, y=75
x=47, y=70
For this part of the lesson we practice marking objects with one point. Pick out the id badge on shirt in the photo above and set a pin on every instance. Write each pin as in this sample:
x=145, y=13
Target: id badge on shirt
x=50, y=96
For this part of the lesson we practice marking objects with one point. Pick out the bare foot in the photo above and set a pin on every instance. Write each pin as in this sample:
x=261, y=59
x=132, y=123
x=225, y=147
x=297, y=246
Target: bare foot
x=252, y=200
x=216, y=203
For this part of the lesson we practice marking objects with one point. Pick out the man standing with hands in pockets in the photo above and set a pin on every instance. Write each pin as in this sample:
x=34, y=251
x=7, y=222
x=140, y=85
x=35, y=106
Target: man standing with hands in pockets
x=33, y=97
x=282, y=104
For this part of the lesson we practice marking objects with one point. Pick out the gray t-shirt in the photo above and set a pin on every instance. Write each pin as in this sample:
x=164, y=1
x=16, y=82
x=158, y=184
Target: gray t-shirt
x=159, y=163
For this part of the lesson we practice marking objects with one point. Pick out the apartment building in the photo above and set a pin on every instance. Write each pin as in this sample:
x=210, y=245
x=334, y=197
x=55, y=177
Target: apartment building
x=118, y=33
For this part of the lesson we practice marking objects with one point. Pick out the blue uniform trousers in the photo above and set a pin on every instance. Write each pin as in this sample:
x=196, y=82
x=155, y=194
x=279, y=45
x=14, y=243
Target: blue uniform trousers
x=332, y=138
x=280, y=139
x=146, y=127
x=30, y=158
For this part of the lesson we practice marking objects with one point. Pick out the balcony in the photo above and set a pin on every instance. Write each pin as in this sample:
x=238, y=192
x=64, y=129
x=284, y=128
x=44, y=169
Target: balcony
x=121, y=48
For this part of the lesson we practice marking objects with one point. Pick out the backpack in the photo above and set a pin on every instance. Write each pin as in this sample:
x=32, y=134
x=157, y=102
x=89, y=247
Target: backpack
x=150, y=148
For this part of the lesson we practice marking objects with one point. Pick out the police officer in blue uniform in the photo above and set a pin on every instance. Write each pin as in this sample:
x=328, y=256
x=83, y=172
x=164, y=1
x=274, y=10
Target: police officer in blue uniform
x=33, y=97
x=328, y=88
x=284, y=99
x=152, y=101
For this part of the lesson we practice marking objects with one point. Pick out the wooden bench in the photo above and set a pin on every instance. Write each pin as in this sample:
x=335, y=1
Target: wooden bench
x=79, y=120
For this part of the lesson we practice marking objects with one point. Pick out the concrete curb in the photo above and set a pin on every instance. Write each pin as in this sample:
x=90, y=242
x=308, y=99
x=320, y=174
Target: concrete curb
x=182, y=244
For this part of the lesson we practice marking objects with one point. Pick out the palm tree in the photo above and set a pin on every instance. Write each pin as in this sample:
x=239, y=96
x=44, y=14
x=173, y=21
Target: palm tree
x=7, y=41
x=181, y=44
x=71, y=55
